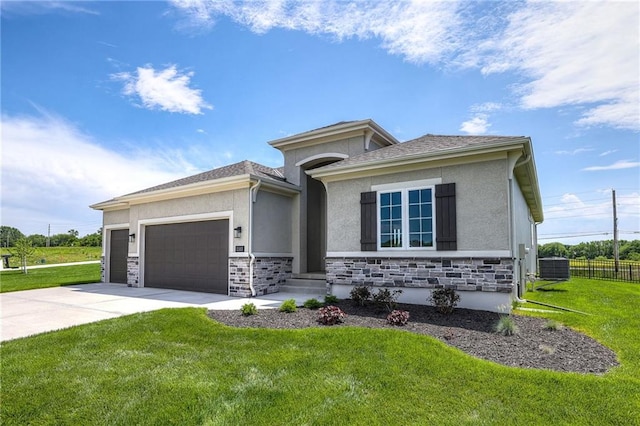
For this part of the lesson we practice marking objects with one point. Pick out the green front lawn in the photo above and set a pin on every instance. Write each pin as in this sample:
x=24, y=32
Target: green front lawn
x=179, y=367
x=15, y=280
x=614, y=319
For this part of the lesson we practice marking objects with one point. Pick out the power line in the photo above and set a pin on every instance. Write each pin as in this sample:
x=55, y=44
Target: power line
x=583, y=234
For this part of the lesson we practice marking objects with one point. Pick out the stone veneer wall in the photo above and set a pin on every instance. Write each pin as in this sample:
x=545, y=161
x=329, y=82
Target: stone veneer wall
x=102, y=270
x=133, y=272
x=268, y=274
x=465, y=274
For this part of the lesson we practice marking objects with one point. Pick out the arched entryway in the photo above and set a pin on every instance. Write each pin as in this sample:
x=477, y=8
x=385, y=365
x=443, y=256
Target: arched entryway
x=314, y=213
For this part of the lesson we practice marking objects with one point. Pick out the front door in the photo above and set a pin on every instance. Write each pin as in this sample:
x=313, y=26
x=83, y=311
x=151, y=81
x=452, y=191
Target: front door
x=316, y=225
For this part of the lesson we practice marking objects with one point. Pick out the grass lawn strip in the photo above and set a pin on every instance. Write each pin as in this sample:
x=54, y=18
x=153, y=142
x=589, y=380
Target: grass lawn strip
x=179, y=367
x=15, y=280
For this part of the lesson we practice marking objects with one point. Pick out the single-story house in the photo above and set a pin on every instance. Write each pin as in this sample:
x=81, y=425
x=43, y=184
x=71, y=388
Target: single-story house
x=351, y=206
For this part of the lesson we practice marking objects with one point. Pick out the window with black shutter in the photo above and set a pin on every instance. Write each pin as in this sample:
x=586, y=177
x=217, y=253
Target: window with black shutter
x=406, y=218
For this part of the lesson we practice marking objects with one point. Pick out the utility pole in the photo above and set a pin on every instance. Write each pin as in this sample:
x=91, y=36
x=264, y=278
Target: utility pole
x=616, y=255
x=49, y=236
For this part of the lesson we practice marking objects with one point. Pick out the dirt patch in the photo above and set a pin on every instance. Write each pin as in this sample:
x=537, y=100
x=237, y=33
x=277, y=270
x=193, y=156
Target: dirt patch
x=468, y=330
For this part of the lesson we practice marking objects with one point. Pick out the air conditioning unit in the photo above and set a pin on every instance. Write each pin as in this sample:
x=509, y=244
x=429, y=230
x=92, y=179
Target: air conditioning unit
x=553, y=268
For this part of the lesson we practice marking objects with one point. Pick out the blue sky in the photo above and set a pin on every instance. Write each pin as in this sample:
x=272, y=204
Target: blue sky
x=104, y=98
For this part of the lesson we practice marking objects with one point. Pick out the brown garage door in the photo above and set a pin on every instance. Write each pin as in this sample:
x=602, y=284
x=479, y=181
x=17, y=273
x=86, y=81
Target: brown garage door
x=118, y=256
x=187, y=256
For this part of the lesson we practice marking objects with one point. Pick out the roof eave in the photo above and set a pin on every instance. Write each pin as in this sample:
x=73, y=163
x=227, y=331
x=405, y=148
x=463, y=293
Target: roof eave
x=532, y=193
x=415, y=158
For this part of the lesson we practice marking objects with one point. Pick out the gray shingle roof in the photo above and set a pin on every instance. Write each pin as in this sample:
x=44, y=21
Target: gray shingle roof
x=427, y=144
x=245, y=167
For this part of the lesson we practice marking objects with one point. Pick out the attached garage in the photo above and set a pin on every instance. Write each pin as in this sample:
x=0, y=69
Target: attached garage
x=119, y=247
x=189, y=256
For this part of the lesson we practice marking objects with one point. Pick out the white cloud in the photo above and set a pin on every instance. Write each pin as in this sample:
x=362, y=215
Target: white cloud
x=575, y=53
x=166, y=89
x=486, y=107
x=611, y=151
x=591, y=217
x=476, y=126
x=574, y=152
x=569, y=53
x=417, y=30
x=618, y=165
x=42, y=7
x=52, y=172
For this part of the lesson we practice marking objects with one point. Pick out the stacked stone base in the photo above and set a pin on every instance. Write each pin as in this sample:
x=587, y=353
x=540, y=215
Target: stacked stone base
x=482, y=283
x=133, y=271
x=268, y=274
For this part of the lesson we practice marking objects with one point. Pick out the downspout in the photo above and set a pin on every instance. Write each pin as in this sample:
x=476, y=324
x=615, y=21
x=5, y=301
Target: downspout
x=522, y=162
x=253, y=193
x=513, y=163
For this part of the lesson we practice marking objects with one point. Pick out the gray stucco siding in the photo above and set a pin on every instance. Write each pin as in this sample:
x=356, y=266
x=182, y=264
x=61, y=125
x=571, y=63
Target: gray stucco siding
x=272, y=223
x=481, y=204
x=351, y=146
x=523, y=227
x=115, y=217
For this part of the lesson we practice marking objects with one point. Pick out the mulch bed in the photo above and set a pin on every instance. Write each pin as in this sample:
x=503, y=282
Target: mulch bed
x=470, y=331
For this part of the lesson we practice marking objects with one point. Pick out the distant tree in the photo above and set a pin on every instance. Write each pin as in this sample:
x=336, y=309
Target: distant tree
x=630, y=250
x=37, y=240
x=23, y=250
x=92, y=240
x=552, y=250
x=9, y=236
x=73, y=232
x=63, y=240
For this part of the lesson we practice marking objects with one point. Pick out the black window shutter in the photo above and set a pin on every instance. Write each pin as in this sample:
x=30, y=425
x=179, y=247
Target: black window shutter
x=368, y=218
x=446, y=217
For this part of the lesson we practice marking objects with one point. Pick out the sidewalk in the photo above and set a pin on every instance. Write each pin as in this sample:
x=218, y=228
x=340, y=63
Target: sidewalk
x=52, y=265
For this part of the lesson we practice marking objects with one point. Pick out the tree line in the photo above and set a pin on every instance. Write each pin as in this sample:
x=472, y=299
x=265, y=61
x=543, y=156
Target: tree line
x=627, y=250
x=9, y=236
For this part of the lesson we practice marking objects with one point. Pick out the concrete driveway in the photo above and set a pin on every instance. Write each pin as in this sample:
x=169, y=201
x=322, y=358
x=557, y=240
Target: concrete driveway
x=24, y=313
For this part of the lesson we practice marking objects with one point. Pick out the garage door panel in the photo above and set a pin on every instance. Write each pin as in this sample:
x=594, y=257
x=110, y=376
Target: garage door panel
x=188, y=256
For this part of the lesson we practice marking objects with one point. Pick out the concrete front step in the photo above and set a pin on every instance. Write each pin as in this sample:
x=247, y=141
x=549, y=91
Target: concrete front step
x=310, y=276
x=309, y=286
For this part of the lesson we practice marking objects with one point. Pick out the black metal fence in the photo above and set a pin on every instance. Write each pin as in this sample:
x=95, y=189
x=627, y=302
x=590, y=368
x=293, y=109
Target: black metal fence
x=605, y=270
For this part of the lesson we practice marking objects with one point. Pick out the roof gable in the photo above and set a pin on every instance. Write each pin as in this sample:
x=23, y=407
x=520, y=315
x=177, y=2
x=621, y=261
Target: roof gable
x=245, y=167
x=222, y=177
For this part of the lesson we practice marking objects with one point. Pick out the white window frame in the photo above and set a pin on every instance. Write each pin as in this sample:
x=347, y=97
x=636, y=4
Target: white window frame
x=404, y=188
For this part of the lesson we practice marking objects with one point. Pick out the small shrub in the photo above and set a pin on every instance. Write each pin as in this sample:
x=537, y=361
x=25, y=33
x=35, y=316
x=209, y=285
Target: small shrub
x=360, y=295
x=549, y=350
x=248, y=309
x=386, y=299
x=312, y=304
x=506, y=326
x=331, y=315
x=515, y=304
x=444, y=299
x=330, y=298
x=288, y=306
x=397, y=317
x=552, y=325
